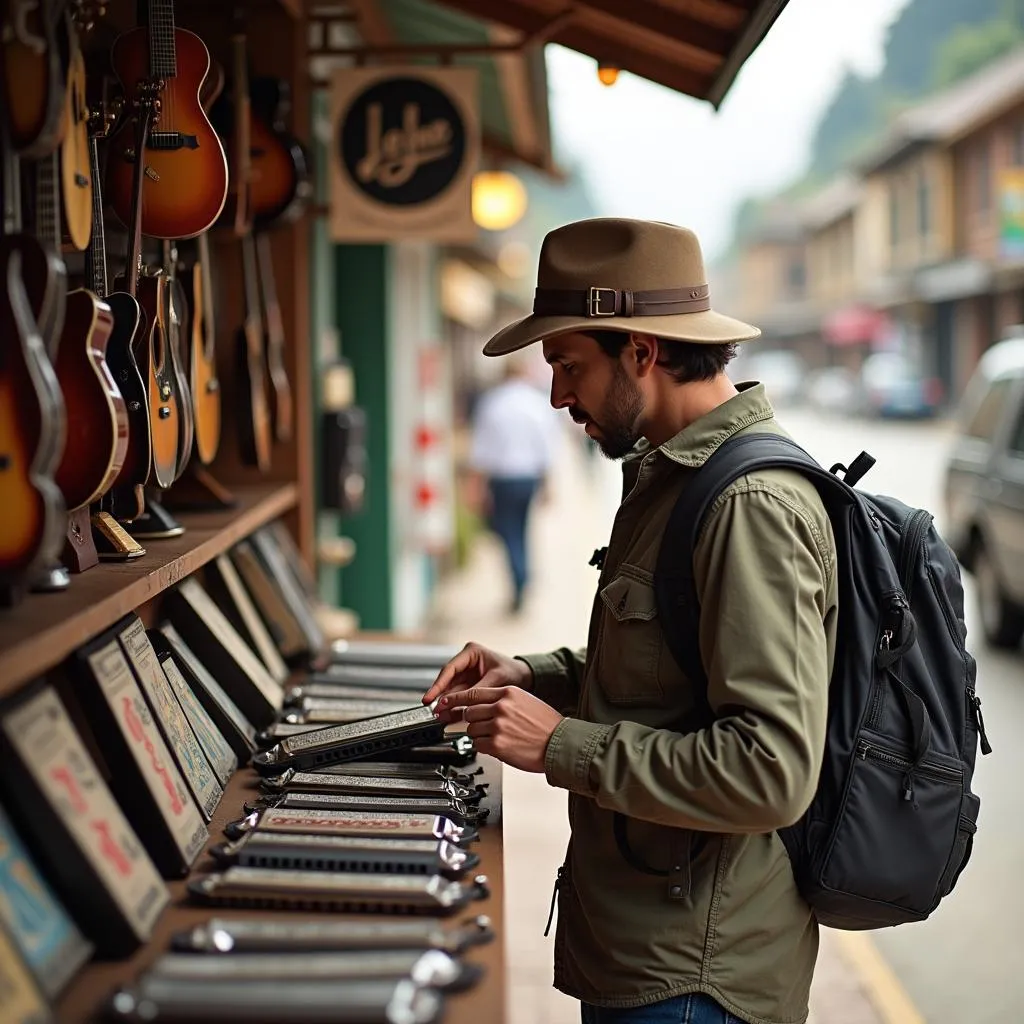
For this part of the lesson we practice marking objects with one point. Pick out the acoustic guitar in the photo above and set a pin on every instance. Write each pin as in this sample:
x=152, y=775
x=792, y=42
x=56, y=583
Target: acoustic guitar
x=125, y=499
x=281, y=414
x=33, y=77
x=32, y=419
x=186, y=174
x=151, y=344
x=281, y=180
x=76, y=174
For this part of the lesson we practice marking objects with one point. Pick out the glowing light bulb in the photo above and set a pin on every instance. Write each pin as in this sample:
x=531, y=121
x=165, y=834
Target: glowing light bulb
x=608, y=74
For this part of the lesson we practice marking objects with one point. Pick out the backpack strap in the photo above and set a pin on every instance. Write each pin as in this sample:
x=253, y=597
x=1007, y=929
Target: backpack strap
x=675, y=587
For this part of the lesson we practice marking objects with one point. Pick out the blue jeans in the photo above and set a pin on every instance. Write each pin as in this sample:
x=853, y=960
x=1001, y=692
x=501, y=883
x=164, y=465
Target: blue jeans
x=694, y=1008
x=510, y=505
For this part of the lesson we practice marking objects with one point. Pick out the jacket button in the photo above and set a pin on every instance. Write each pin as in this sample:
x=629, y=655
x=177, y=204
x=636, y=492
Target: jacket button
x=676, y=890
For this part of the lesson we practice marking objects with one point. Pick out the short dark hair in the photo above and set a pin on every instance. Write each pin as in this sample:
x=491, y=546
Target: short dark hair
x=685, y=361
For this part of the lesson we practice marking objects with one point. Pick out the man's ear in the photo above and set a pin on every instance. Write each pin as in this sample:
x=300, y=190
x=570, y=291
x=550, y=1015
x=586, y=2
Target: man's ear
x=645, y=352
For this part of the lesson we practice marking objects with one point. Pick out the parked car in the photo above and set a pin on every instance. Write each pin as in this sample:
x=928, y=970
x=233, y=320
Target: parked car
x=984, y=490
x=833, y=391
x=893, y=386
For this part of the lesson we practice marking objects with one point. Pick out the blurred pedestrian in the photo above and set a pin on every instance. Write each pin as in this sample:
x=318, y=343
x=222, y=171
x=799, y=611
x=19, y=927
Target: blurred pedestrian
x=676, y=900
x=514, y=432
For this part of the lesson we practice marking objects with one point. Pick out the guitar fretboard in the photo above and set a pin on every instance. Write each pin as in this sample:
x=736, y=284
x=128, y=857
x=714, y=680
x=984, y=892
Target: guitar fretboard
x=96, y=255
x=47, y=211
x=163, y=61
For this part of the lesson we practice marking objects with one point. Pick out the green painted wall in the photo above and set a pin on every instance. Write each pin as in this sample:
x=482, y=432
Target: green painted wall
x=360, y=302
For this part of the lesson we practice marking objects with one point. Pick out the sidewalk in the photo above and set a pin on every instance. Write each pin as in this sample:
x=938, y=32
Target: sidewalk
x=471, y=606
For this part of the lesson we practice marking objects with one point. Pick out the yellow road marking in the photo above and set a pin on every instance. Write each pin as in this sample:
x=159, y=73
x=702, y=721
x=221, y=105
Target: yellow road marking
x=880, y=983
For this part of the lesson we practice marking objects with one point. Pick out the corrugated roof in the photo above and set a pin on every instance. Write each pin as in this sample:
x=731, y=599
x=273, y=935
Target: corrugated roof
x=954, y=112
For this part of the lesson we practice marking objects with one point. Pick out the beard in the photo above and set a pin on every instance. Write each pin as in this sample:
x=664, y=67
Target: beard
x=619, y=415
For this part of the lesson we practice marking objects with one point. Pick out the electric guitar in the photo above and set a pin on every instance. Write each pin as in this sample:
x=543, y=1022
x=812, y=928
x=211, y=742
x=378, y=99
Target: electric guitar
x=186, y=175
x=151, y=344
x=201, y=356
x=280, y=393
x=76, y=175
x=33, y=77
x=177, y=318
x=125, y=499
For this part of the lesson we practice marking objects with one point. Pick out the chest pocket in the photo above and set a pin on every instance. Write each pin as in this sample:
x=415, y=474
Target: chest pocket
x=631, y=640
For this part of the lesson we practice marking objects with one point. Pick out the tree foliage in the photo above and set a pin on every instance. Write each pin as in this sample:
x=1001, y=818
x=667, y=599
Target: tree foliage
x=970, y=48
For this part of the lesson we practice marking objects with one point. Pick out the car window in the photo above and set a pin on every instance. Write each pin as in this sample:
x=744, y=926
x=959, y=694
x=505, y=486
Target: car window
x=985, y=421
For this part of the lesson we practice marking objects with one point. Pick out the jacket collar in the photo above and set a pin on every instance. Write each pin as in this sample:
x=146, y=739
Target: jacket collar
x=696, y=443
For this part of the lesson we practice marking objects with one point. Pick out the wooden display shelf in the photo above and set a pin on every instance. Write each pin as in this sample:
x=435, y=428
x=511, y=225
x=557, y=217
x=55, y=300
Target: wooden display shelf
x=43, y=629
x=86, y=996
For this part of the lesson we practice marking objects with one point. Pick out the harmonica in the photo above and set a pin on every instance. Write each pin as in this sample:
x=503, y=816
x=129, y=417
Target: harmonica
x=292, y=781
x=321, y=687
x=155, y=999
x=366, y=739
x=456, y=749
x=328, y=710
x=431, y=968
x=389, y=677
x=458, y=810
x=266, y=935
x=397, y=655
x=407, y=770
x=351, y=823
x=354, y=854
x=343, y=891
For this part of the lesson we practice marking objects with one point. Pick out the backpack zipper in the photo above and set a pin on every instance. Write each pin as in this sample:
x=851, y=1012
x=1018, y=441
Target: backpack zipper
x=926, y=769
x=979, y=720
x=916, y=527
x=890, y=623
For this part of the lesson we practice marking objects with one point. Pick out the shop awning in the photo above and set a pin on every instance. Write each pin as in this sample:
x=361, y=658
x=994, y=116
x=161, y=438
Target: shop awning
x=854, y=325
x=696, y=47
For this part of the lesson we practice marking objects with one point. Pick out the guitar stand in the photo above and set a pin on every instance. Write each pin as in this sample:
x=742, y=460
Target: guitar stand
x=79, y=548
x=112, y=540
x=198, y=490
x=155, y=523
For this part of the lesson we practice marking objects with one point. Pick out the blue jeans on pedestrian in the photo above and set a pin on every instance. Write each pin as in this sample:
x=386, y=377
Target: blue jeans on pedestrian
x=694, y=1008
x=511, y=498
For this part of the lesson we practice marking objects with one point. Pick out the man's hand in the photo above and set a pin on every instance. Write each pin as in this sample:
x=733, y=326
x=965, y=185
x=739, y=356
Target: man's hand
x=481, y=668
x=507, y=722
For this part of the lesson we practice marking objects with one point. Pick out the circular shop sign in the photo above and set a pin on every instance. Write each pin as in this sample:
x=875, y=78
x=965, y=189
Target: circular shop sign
x=402, y=141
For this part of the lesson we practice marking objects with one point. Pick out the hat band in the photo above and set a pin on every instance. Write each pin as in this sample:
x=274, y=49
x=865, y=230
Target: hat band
x=602, y=302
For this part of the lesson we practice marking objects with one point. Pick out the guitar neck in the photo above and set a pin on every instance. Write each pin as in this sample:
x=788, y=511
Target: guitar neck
x=47, y=202
x=134, y=265
x=250, y=276
x=11, y=185
x=206, y=288
x=96, y=254
x=163, y=60
x=268, y=286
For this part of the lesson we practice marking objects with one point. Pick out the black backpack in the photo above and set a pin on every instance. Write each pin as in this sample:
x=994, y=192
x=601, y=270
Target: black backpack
x=892, y=822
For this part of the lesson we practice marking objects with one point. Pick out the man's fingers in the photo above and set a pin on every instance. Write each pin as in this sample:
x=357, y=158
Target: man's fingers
x=446, y=676
x=478, y=712
x=474, y=695
x=479, y=730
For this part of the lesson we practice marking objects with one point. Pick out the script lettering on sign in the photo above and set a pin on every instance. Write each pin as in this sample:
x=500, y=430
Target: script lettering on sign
x=393, y=156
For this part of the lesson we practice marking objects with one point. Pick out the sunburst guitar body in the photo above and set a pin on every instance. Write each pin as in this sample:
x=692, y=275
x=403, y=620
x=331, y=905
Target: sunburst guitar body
x=186, y=175
x=98, y=439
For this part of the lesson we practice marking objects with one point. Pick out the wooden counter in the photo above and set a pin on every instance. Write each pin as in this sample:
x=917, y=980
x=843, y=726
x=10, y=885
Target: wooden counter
x=86, y=996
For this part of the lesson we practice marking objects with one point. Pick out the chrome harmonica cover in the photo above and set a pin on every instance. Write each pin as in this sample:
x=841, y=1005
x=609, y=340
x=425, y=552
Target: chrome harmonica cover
x=303, y=821
x=392, y=654
x=248, y=935
x=433, y=968
x=335, y=782
x=335, y=890
x=155, y=999
x=448, y=807
x=321, y=687
x=363, y=739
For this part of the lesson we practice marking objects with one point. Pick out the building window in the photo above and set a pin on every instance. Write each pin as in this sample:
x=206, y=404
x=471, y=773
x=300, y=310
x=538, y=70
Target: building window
x=924, y=205
x=983, y=178
x=894, y=216
x=796, y=276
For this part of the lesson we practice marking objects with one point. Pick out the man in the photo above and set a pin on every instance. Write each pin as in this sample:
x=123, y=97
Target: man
x=676, y=898
x=512, y=448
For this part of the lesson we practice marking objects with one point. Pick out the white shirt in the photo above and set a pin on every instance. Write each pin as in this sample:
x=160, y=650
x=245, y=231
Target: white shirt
x=514, y=432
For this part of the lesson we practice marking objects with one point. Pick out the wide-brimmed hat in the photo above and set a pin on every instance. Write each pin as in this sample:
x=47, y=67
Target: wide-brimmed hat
x=621, y=275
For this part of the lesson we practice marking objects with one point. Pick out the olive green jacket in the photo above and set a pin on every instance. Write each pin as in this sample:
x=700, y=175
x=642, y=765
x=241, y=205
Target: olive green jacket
x=722, y=914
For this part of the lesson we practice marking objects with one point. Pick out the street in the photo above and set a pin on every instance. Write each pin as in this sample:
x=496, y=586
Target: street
x=961, y=967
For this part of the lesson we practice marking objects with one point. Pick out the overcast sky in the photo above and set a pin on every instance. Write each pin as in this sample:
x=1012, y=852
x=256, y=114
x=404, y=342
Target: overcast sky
x=650, y=152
